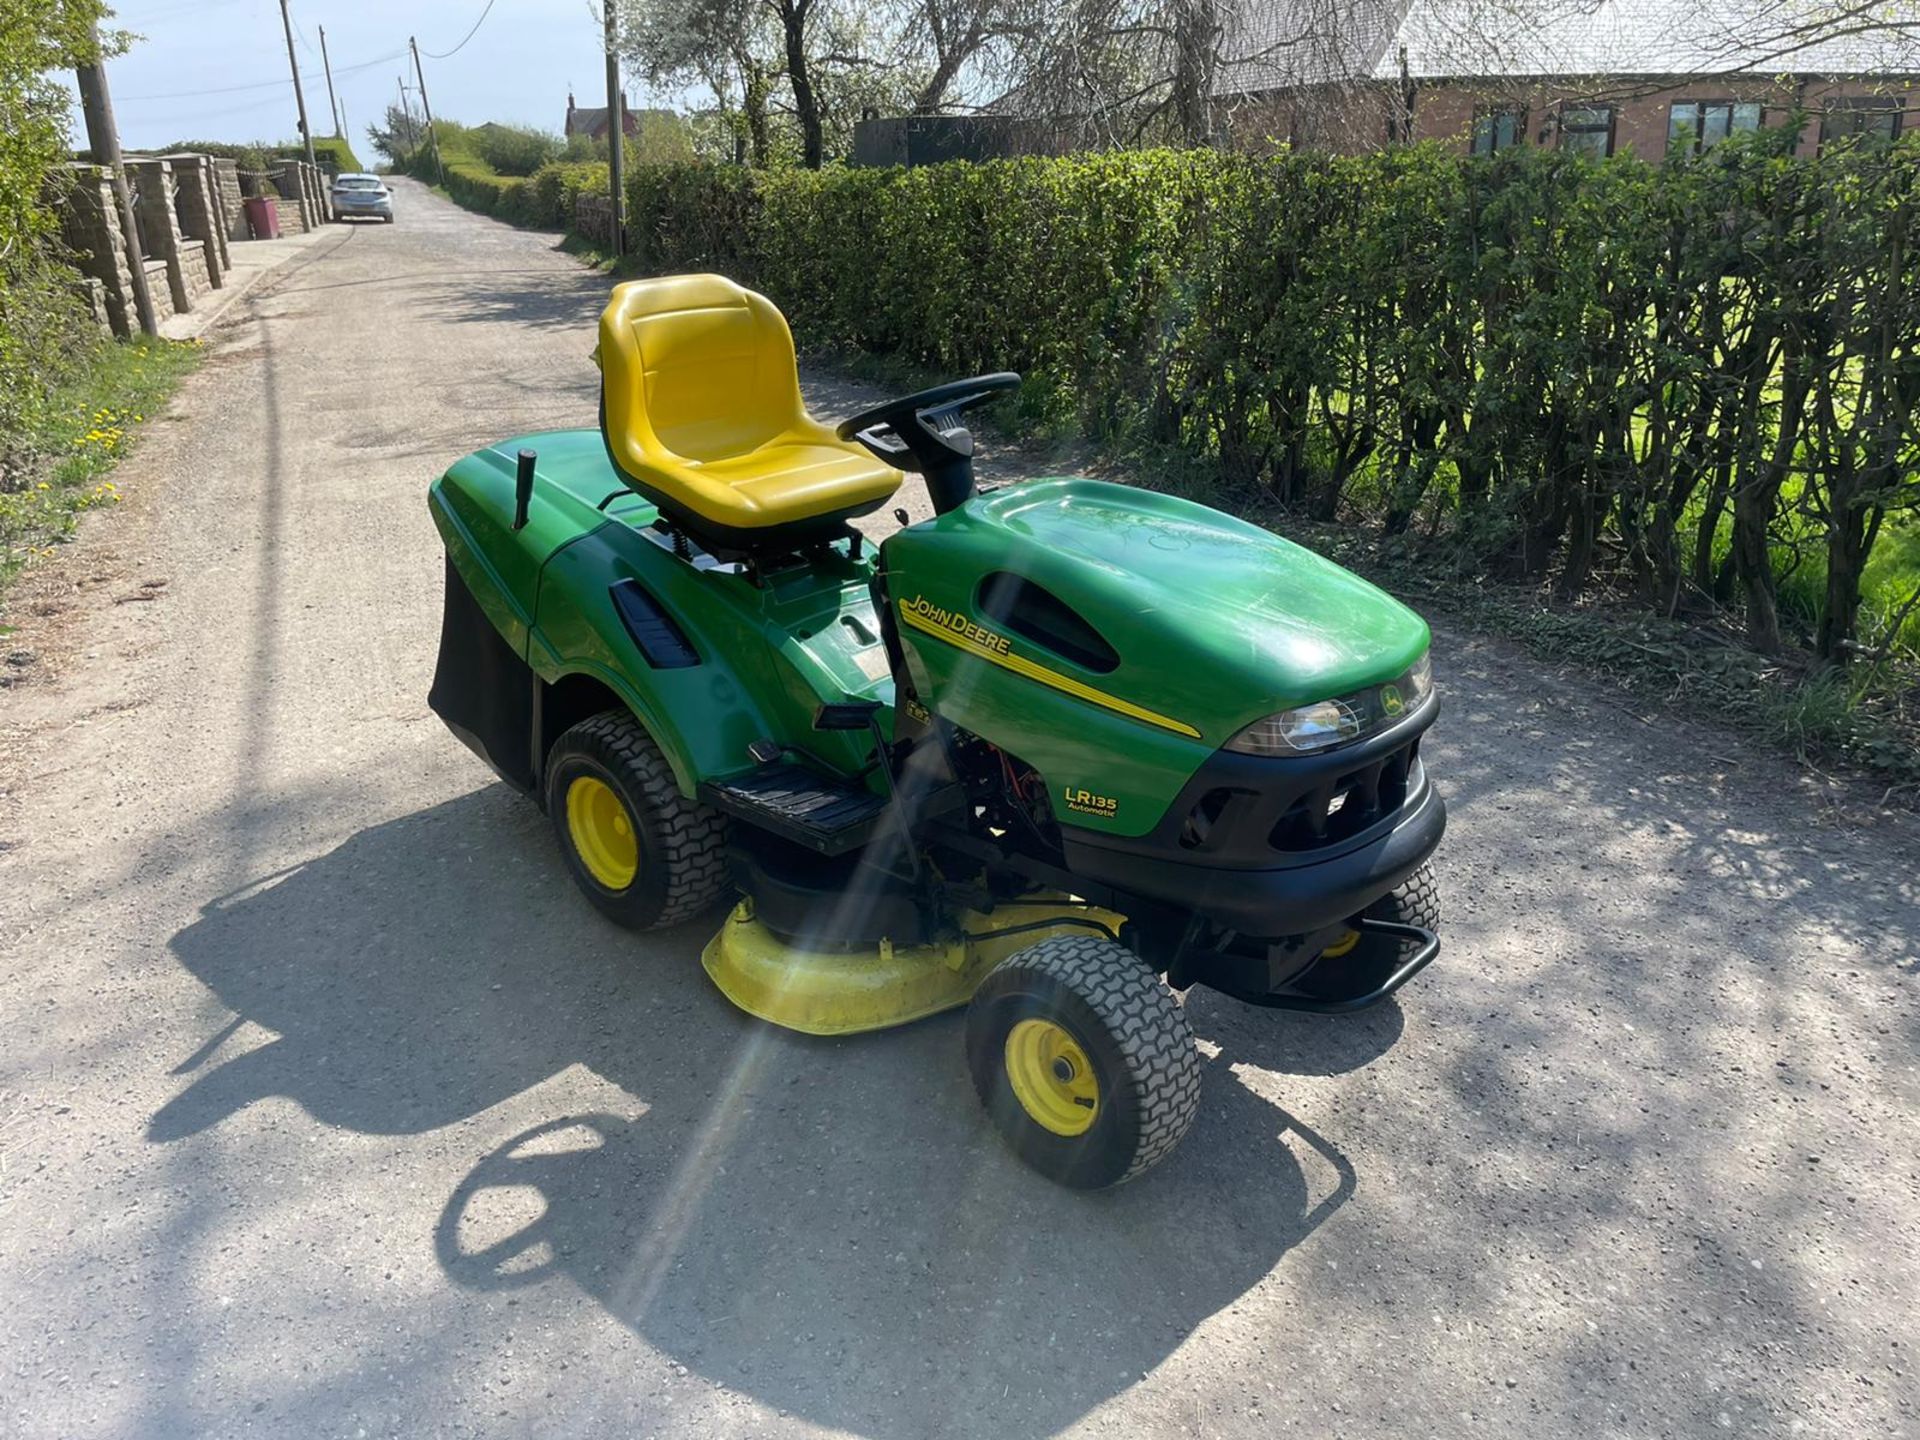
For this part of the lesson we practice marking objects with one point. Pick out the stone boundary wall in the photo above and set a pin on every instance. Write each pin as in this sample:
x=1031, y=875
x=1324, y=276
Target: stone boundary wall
x=91, y=229
x=226, y=184
x=189, y=217
x=153, y=211
x=196, y=205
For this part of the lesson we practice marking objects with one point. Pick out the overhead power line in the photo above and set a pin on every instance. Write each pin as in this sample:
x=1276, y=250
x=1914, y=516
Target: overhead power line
x=262, y=84
x=305, y=44
x=470, y=34
x=245, y=107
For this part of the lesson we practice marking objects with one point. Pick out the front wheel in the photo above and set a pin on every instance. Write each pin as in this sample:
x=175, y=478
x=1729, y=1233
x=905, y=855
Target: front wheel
x=1084, y=1060
x=643, y=853
x=1414, y=901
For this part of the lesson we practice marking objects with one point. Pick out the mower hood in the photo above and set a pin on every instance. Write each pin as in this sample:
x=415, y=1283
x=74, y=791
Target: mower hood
x=1205, y=618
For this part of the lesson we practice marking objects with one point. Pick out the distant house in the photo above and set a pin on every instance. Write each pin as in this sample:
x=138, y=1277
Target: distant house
x=591, y=120
x=1610, y=76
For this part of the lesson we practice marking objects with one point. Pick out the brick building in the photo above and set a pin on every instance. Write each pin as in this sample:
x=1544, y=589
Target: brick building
x=591, y=120
x=1611, y=77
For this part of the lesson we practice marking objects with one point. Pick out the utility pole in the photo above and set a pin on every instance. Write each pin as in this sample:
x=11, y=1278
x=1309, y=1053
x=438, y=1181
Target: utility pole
x=616, y=141
x=406, y=114
x=104, y=140
x=332, y=104
x=427, y=108
x=299, y=95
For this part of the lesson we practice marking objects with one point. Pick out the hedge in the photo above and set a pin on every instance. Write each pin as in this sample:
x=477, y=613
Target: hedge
x=332, y=151
x=45, y=334
x=336, y=153
x=514, y=149
x=543, y=200
x=1674, y=382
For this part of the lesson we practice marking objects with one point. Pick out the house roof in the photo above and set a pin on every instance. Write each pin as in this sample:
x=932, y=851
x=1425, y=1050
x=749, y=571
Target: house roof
x=1276, y=44
x=1303, y=42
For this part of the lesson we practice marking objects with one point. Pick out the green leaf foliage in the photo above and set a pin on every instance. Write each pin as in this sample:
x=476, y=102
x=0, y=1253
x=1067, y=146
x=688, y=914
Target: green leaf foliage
x=45, y=337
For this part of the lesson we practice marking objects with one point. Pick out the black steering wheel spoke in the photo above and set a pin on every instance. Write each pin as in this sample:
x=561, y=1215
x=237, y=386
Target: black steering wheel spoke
x=923, y=431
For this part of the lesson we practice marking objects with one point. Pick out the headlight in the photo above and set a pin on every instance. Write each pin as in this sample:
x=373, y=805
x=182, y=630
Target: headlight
x=1308, y=729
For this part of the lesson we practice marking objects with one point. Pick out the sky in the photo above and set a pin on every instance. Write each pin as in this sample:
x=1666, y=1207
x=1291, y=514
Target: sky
x=181, y=79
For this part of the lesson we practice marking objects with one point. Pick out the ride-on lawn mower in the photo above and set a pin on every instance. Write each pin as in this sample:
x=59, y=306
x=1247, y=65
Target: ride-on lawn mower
x=1030, y=755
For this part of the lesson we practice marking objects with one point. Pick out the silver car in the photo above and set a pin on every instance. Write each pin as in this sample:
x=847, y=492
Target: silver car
x=366, y=195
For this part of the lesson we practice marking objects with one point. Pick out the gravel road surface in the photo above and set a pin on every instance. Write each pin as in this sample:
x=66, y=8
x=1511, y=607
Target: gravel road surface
x=327, y=1108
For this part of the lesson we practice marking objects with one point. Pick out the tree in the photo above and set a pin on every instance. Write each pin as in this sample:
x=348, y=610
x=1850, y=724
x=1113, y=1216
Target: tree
x=952, y=34
x=403, y=133
x=728, y=46
x=1121, y=70
x=837, y=58
x=794, y=17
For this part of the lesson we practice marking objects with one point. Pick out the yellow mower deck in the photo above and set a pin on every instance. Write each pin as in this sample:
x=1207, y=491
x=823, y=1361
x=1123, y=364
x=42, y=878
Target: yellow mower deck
x=846, y=990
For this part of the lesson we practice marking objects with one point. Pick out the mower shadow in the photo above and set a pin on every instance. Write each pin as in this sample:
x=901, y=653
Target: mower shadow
x=821, y=1224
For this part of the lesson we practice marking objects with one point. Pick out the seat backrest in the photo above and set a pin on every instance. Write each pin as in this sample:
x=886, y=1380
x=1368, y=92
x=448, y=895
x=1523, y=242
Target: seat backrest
x=696, y=367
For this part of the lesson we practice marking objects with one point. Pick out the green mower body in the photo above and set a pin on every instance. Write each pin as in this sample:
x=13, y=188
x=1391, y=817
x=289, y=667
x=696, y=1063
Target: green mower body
x=1208, y=625
x=1175, y=628
x=1131, y=734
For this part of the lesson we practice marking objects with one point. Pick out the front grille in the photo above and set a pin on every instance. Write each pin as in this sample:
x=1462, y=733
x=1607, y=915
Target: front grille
x=1344, y=806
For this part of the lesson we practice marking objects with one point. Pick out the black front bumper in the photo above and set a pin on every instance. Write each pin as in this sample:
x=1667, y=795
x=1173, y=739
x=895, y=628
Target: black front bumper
x=1273, y=847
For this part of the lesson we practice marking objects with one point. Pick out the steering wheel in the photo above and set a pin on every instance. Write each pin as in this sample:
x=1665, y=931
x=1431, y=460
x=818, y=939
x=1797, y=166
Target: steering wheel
x=922, y=431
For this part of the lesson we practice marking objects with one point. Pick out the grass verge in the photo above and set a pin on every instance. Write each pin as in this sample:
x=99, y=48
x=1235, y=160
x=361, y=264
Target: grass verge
x=61, y=469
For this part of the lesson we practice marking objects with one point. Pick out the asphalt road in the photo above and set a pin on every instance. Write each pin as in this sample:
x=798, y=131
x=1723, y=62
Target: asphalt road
x=327, y=1108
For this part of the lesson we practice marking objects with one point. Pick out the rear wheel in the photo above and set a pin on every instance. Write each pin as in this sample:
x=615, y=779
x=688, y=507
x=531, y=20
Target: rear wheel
x=644, y=854
x=1084, y=1060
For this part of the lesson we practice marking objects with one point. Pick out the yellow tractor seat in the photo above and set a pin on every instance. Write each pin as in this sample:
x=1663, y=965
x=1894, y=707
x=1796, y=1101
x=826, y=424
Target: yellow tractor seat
x=701, y=411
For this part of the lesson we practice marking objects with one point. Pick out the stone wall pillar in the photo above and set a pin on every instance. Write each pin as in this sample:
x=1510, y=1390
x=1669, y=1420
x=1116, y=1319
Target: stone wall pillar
x=90, y=225
x=226, y=184
x=289, y=178
x=322, y=193
x=159, y=230
x=287, y=210
x=198, y=210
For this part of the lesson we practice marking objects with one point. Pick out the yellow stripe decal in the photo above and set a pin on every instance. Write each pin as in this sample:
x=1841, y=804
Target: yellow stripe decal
x=1066, y=684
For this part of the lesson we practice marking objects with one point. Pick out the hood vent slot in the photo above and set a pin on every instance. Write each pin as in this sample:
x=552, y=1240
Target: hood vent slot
x=1015, y=603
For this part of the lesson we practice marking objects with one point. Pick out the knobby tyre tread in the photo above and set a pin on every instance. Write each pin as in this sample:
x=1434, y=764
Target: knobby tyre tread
x=683, y=843
x=1142, y=1034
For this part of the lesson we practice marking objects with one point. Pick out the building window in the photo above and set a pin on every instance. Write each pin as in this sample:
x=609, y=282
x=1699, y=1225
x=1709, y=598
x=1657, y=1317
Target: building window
x=1497, y=128
x=1587, y=130
x=1693, y=125
x=1870, y=121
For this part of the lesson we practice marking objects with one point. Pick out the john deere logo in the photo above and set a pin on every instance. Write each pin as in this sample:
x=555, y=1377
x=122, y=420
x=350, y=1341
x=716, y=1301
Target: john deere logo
x=959, y=624
x=1390, y=702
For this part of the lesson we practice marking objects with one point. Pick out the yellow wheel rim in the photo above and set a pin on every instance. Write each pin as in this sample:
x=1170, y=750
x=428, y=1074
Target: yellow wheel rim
x=1051, y=1077
x=602, y=832
x=1343, y=946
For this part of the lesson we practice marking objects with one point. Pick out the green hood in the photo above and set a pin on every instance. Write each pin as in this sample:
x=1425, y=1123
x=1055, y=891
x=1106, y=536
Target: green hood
x=1216, y=621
